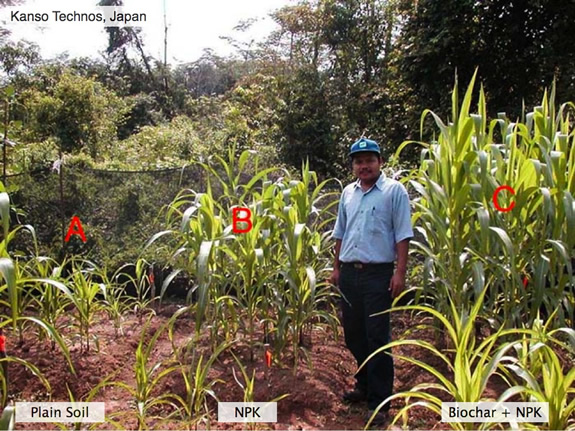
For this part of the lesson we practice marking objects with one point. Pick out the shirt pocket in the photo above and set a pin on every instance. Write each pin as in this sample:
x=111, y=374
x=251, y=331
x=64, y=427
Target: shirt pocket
x=380, y=221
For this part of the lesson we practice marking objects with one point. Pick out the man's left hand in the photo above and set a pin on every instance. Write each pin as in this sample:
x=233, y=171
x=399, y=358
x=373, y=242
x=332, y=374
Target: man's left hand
x=397, y=284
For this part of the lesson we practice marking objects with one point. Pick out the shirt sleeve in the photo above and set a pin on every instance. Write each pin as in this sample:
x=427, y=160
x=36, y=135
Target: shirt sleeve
x=340, y=222
x=402, y=228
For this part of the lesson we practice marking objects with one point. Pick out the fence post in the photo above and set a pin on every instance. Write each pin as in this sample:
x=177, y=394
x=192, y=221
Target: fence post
x=62, y=214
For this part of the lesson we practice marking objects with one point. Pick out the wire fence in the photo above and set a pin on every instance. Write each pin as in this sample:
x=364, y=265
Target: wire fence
x=119, y=210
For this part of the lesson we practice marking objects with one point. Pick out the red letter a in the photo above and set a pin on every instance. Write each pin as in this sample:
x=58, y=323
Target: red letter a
x=237, y=219
x=71, y=231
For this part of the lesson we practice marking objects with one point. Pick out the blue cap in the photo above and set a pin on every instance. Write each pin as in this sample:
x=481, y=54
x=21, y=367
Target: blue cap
x=364, y=145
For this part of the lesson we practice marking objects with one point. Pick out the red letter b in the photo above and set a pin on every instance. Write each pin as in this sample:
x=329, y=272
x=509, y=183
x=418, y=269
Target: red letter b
x=237, y=219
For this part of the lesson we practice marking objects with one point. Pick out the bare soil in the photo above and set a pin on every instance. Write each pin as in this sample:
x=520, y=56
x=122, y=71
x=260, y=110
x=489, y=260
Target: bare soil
x=314, y=400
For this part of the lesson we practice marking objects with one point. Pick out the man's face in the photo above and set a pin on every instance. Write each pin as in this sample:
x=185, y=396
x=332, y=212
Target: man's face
x=367, y=166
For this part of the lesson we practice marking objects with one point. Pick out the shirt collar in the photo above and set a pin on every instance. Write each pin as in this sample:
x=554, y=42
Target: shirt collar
x=378, y=183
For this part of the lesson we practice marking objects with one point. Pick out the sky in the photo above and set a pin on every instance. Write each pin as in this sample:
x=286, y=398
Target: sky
x=193, y=26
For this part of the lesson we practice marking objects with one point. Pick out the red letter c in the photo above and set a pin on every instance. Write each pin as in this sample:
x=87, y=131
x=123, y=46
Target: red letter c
x=497, y=191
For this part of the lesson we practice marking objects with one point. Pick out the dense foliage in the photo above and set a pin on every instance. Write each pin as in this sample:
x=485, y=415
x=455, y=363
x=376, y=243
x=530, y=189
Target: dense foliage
x=332, y=71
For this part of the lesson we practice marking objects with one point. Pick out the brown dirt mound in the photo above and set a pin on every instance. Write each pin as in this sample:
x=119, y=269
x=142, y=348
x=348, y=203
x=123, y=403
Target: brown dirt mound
x=314, y=394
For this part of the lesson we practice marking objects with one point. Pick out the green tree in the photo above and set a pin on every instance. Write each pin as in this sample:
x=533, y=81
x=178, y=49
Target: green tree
x=518, y=47
x=525, y=45
x=17, y=58
x=78, y=111
x=337, y=73
x=210, y=75
x=438, y=39
x=305, y=121
x=127, y=57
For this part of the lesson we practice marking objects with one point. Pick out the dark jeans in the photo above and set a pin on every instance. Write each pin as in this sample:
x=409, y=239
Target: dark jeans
x=366, y=291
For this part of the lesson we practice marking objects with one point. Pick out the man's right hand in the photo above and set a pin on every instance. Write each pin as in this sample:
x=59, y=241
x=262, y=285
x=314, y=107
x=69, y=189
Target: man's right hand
x=334, y=278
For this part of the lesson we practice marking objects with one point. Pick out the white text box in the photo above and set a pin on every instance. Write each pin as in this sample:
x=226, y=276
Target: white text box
x=495, y=412
x=247, y=412
x=60, y=412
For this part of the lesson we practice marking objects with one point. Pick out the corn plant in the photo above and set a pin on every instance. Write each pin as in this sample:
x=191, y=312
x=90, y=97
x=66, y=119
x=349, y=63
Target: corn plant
x=147, y=377
x=18, y=299
x=89, y=397
x=116, y=302
x=548, y=384
x=471, y=362
x=8, y=418
x=539, y=375
x=265, y=277
x=455, y=214
x=542, y=334
x=194, y=368
x=115, y=299
x=4, y=377
x=301, y=294
x=248, y=387
x=17, y=321
x=53, y=296
x=199, y=387
x=249, y=271
x=22, y=300
x=16, y=296
x=85, y=300
x=234, y=192
x=21, y=281
x=200, y=230
x=143, y=286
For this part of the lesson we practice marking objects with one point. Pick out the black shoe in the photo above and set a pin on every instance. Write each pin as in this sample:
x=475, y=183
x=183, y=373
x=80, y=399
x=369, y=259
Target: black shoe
x=380, y=421
x=355, y=396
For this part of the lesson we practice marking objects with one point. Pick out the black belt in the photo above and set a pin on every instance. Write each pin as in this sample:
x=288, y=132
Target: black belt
x=361, y=265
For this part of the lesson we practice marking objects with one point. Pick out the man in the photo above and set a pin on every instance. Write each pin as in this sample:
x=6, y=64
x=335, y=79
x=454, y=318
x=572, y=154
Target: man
x=372, y=230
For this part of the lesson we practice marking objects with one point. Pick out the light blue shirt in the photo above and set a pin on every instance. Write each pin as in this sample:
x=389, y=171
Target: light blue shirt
x=371, y=223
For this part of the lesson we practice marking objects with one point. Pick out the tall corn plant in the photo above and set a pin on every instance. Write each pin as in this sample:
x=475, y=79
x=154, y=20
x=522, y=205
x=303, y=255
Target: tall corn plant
x=249, y=274
x=445, y=213
x=533, y=158
x=244, y=251
x=465, y=238
x=195, y=243
x=301, y=295
x=227, y=174
x=266, y=276
x=551, y=130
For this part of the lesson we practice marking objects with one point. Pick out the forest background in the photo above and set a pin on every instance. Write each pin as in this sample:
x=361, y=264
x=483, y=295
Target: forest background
x=106, y=139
